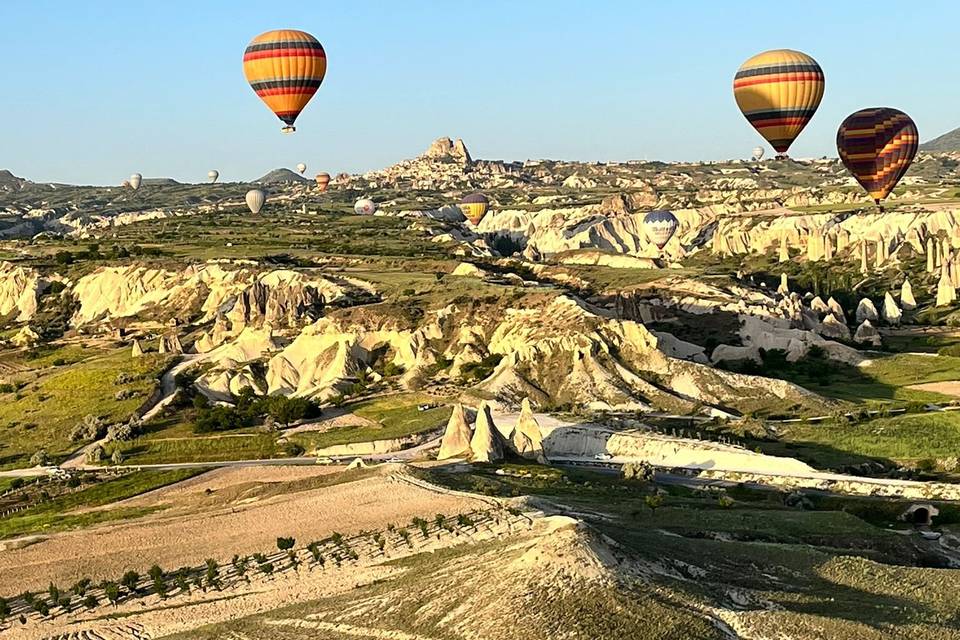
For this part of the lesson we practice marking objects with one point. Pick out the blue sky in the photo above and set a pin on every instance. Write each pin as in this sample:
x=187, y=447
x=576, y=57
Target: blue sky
x=97, y=90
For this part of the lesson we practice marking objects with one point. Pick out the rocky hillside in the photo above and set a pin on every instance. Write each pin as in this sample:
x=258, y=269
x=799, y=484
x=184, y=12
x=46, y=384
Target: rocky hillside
x=947, y=143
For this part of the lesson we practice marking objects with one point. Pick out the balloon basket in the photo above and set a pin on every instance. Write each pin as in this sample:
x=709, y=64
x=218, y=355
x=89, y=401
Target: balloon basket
x=288, y=129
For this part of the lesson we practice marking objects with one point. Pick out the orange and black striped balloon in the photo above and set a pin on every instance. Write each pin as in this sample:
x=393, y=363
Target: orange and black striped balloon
x=778, y=92
x=877, y=146
x=285, y=68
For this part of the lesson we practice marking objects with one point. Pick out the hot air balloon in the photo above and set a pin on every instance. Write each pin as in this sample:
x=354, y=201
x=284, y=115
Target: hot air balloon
x=757, y=154
x=212, y=175
x=255, y=200
x=323, y=180
x=877, y=146
x=661, y=225
x=301, y=167
x=779, y=91
x=365, y=207
x=135, y=181
x=285, y=68
x=474, y=207
x=125, y=184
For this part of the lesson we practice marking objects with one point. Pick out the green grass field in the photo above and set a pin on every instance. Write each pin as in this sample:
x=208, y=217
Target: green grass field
x=55, y=397
x=76, y=510
x=216, y=448
x=395, y=416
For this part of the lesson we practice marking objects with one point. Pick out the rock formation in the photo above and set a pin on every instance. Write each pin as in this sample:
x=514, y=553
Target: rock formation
x=447, y=149
x=930, y=257
x=137, y=350
x=456, y=438
x=20, y=289
x=784, y=288
x=836, y=309
x=867, y=334
x=907, y=301
x=891, y=312
x=866, y=310
x=946, y=292
x=819, y=306
x=486, y=445
x=26, y=337
x=831, y=327
x=170, y=343
x=526, y=437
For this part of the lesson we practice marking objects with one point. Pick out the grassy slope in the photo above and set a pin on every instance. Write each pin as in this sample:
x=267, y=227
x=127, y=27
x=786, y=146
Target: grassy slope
x=55, y=398
x=70, y=511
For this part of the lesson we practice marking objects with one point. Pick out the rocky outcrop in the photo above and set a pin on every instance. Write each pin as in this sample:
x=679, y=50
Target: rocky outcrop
x=25, y=337
x=456, y=437
x=137, y=349
x=20, y=290
x=526, y=439
x=486, y=444
x=831, y=327
x=891, y=312
x=907, y=301
x=867, y=334
x=946, y=292
x=866, y=310
x=447, y=149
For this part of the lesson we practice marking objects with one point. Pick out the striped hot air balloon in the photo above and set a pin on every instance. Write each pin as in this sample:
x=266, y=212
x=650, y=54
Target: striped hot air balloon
x=661, y=225
x=285, y=68
x=779, y=91
x=474, y=207
x=323, y=181
x=877, y=146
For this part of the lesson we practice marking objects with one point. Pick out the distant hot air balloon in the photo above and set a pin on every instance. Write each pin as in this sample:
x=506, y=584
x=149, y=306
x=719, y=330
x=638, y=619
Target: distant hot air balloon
x=212, y=175
x=125, y=184
x=323, y=180
x=474, y=207
x=757, y=154
x=135, y=181
x=301, y=167
x=365, y=207
x=285, y=68
x=661, y=225
x=779, y=91
x=255, y=200
x=877, y=146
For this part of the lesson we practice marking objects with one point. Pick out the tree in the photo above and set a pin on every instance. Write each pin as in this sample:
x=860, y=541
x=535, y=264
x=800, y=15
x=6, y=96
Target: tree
x=130, y=580
x=54, y=592
x=90, y=601
x=4, y=610
x=112, y=591
x=285, y=544
x=213, y=573
x=653, y=502
x=286, y=411
x=117, y=457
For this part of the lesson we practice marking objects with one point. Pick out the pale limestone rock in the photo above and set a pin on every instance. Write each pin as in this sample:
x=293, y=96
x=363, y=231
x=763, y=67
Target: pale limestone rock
x=836, y=309
x=447, y=149
x=891, y=312
x=819, y=306
x=530, y=253
x=907, y=301
x=467, y=269
x=20, y=290
x=831, y=327
x=866, y=310
x=784, y=288
x=456, y=437
x=527, y=438
x=827, y=248
x=867, y=333
x=137, y=350
x=930, y=257
x=784, y=252
x=486, y=445
x=863, y=258
x=946, y=292
x=26, y=337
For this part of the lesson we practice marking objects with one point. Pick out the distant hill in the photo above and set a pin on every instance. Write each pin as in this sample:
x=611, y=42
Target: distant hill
x=160, y=182
x=949, y=141
x=10, y=182
x=280, y=175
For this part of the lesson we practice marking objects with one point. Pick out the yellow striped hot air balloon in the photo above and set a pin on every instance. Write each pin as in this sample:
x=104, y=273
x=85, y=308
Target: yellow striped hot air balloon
x=285, y=68
x=779, y=91
x=474, y=207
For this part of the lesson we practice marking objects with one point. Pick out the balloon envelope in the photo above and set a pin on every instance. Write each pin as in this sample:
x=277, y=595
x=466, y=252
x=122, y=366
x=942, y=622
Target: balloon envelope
x=135, y=180
x=323, y=180
x=285, y=68
x=301, y=168
x=213, y=174
x=758, y=153
x=877, y=146
x=365, y=207
x=778, y=92
x=661, y=225
x=255, y=200
x=474, y=207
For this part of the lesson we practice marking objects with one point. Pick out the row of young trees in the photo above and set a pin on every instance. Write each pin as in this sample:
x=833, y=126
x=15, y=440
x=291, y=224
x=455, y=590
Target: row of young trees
x=337, y=549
